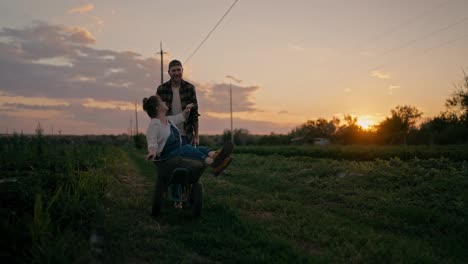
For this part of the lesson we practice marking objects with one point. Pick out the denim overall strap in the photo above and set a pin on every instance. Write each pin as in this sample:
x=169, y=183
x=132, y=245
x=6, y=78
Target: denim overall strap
x=173, y=141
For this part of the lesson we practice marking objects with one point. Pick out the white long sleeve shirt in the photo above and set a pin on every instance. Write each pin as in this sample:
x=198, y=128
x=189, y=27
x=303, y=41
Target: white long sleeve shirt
x=158, y=133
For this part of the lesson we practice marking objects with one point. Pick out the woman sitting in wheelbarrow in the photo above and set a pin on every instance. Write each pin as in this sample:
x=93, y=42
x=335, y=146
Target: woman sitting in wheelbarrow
x=164, y=140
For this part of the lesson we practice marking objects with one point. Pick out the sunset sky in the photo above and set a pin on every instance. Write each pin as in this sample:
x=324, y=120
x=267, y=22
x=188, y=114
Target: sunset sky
x=79, y=66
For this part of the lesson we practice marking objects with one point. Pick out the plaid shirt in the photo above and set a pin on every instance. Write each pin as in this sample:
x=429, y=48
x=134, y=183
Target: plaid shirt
x=187, y=96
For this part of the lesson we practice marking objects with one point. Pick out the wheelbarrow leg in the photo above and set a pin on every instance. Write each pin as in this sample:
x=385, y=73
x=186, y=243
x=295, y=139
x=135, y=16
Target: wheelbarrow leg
x=158, y=197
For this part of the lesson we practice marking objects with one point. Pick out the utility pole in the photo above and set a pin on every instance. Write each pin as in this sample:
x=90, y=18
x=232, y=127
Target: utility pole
x=230, y=98
x=136, y=118
x=162, y=61
x=131, y=127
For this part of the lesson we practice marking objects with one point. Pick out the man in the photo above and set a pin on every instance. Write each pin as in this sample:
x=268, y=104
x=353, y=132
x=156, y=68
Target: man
x=177, y=94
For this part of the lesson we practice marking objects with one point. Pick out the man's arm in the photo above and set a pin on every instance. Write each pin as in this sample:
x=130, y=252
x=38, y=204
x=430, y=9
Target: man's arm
x=160, y=89
x=195, y=119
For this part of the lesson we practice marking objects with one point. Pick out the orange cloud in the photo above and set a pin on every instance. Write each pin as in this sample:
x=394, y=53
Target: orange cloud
x=37, y=101
x=81, y=35
x=36, y=114
x=92, y=103
x=81, y=9
x=282, y=118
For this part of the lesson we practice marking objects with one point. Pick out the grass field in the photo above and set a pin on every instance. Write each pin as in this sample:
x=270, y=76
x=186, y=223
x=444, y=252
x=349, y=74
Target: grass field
x=265, y=209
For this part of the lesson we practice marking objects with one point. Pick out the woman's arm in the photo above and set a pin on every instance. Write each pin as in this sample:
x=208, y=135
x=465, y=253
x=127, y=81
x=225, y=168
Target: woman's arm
x=151, y=153
x=180, y=118
x=152, y=141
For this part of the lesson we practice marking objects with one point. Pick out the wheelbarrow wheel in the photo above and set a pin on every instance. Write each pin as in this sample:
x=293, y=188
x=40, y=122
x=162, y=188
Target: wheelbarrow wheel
x=196, y=199
x=158, y=197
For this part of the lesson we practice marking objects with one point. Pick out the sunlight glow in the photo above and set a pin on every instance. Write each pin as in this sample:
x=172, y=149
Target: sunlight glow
x=365, y=122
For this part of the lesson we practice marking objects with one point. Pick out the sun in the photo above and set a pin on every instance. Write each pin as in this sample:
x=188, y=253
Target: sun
x=365, y=122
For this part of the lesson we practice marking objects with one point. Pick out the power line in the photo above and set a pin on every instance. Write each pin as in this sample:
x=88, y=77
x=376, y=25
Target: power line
x=207, y=36
x=393, y=29
x=410, y=20
x=408, y=43
x=424, y=52
x=445, y=43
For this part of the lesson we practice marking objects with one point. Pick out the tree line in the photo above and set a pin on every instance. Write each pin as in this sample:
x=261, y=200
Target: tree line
x=405, y=125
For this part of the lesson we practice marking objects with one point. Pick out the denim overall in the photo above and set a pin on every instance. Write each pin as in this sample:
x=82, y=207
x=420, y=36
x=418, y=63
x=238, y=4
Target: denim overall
x=173, y=148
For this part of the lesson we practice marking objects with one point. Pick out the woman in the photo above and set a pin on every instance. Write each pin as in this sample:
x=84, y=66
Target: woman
x=164, y=140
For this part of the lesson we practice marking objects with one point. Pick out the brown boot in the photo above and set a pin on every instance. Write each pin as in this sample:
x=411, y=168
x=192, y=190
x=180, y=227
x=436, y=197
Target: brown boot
x=221, y=155
x=221, y=167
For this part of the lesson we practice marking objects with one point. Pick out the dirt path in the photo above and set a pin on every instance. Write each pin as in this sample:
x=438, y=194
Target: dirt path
x=130, y=234
x=220, y=235
x=126, y=217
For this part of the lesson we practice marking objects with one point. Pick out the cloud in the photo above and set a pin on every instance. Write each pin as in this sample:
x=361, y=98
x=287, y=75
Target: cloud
x=380, y=75
x=215, y=125
x=42, y=41
x=85, y=11
x=98, y=21
x=121, y=105
x=81, y=9
x=81, y=35
x=55, y=69
x=215, y=97
x=58, y=62
x=391, y=88
x=75, y=118
x=296, y=47
x=20, y=106
x=42, y=101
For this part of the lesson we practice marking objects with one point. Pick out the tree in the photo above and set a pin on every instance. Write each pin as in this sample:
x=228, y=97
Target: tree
x=241, y=136
x=395, y=129
x=316, y=128
x=408, y=115
x=458, y=104
x=349, y=132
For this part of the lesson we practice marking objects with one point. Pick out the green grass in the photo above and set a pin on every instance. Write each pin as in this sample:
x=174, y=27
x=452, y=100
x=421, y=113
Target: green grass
x=50, y=198
x=274, y=205
x=361, y=152
x=221, y=235
x=300, y=209
x=382, y=211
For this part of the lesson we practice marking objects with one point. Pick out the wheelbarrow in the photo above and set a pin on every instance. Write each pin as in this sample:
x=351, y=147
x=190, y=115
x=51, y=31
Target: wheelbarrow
x=178, y=181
